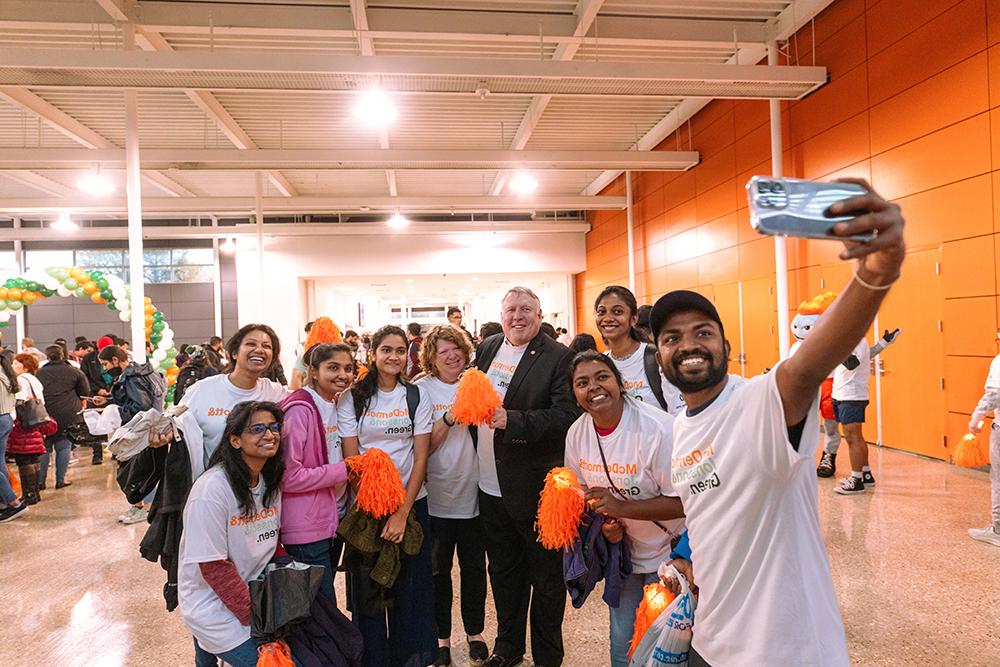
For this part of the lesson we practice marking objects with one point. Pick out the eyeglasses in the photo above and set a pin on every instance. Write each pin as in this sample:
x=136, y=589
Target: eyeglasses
x=259, y=429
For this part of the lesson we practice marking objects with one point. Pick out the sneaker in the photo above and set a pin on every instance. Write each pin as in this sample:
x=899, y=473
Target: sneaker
x=134, y=515
x=500, y=661
x=478, y=652
x=60, y=485
x=827, y=465
x=444, y=657
x=850, y=485
x=987, y=534
x=12, y=512
x=867, y=478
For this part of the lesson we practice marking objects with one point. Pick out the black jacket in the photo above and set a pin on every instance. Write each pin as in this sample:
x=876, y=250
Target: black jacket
x=138, y=388
x=91, y=367
x=540, y=409
x=64, y=386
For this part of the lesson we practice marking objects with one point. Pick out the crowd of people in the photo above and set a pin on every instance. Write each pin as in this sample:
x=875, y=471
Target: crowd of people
x=685, y=463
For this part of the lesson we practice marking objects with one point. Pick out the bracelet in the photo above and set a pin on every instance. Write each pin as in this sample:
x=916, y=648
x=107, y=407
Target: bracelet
x=875, y=288
x=447, y=423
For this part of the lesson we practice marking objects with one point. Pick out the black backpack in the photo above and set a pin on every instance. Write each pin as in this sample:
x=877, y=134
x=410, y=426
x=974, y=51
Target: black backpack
x=412, y=401
x=653, y=375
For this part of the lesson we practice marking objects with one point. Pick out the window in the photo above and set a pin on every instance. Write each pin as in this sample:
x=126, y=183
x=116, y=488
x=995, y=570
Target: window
x=161, y=265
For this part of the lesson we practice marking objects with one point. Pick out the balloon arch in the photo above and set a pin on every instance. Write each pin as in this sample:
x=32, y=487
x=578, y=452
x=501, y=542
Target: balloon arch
x=101, y=288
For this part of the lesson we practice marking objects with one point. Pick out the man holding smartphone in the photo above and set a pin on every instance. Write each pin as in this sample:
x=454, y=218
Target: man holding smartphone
x=743, y=462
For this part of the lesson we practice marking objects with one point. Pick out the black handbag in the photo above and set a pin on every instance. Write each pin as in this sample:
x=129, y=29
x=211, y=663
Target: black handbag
x=282, y=596
x=31, y=411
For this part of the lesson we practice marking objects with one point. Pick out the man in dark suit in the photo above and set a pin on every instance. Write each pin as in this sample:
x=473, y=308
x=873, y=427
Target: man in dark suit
x=525, y=440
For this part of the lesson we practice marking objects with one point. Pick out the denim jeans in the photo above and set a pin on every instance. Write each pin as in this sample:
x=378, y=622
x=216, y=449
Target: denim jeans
x=244, y=655
x=318, y=553
x=623, y=618
x=63, y=446
x=7, y=495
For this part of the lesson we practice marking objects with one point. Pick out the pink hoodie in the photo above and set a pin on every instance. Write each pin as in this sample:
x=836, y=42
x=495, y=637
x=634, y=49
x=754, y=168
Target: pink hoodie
x=308, y=501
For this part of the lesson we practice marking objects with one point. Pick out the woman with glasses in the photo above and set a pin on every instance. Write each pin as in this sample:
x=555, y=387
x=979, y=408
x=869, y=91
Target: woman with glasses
x=231, y=523
x=314, y=487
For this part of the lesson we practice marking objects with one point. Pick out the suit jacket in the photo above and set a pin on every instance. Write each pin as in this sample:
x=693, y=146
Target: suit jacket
x=540, y=409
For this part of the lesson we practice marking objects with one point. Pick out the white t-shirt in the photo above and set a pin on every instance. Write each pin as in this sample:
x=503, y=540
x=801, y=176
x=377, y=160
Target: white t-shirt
x=386, y=426
x=29, y=387
x=853, y=385
x=766, y=596
x=500, y=372
x=633, y=370
x=211, y=399
x=334, y=451
x=638, y=453
x=452, y=470
x=215, y=529
x=993, y=381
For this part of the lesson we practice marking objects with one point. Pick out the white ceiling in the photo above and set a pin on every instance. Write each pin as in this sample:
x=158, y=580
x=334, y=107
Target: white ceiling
x=450, y=289
x=604, y=38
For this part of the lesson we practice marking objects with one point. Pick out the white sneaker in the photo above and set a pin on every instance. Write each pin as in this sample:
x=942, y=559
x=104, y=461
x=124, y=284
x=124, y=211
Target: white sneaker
x=986, y=534
x=134, y=515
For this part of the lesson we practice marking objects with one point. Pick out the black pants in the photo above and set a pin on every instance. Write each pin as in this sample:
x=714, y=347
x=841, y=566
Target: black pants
x=26, y=459
x=695, y=660
x=523, y=574
x=467, y=536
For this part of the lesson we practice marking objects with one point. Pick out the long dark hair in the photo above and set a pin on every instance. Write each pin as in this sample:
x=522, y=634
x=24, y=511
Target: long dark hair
x=234, y=342
x=321, y=352
x=625, y=294
x=594, y=355
x=231, y=460
x=8, y=373
x=365, y=388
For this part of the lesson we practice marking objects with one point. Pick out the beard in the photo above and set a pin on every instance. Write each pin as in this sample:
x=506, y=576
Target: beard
x=715, y=373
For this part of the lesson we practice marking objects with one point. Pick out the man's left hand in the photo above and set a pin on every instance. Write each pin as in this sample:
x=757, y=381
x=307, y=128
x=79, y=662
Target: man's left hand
x=499, y=419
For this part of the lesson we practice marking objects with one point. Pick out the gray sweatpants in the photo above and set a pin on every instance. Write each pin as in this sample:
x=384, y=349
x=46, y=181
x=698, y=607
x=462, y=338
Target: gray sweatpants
x=832, y=433
x=995, y=474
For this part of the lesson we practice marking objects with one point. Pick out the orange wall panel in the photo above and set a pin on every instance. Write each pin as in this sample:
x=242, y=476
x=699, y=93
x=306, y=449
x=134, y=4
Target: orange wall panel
x=891, y=20
x=683, y=275
x=833, y=149
x=970, y=326
x=719, y=267
x=963, y=382
x=680, y=218
x=716, y=203
x=832, y=104
x=993, y=20
x=718, y=234
x=757, y=258
x=955, y=211
x=967, y=268
x=715, y=170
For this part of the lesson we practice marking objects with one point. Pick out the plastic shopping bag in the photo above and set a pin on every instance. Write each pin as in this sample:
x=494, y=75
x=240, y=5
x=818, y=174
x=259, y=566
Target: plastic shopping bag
x=281, y=597
x=668, y=639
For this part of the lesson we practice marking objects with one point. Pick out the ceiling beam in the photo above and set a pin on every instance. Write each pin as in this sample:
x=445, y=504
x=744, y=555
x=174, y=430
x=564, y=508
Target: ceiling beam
x=40, y=183
x=359, y=15
x=228, y=159
x=236, y=70
x=438, y=24
x=317, y=205
x=585, y=13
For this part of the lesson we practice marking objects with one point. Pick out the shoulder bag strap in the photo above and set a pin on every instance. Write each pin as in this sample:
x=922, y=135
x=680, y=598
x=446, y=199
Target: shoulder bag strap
x=614, y=488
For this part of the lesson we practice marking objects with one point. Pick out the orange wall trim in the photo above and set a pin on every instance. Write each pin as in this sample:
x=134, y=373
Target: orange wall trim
x=913, y=105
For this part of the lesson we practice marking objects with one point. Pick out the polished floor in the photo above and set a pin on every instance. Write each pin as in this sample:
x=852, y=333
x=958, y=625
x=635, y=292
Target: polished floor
x=913, y=588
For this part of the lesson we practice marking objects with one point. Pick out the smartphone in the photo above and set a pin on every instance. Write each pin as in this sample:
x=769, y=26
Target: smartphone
x=794, y=207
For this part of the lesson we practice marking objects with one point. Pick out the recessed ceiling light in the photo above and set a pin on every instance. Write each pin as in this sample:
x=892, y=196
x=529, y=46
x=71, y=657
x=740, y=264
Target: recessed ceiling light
x=397, y=221
x=95, y=184
x=64, y=223
x=409, y=280
x=228, y=246
x=375, y=109
x=523, y=183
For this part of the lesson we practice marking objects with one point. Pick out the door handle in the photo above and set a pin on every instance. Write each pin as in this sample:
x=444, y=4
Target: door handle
x=880, y=367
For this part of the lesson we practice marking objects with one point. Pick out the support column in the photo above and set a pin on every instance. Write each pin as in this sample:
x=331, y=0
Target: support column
x=259, y=206
x=630, y=232
x=19, y=321
x=133, y=188
x=571, y=304
x=780, y=244
x=216, y=281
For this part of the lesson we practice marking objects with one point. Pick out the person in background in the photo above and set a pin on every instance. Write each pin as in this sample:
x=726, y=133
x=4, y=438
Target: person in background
x=378, y=412
x=489, y=329
x=636, y=495
x=91, y=367
x=196, y=367
x=28, y=444
x=414, y=340
x=525, y=440
x=582, y=342
x=354, y=341
x=549, y=330
x=136, y=387
x=299, y=367
x=642, y=323
x=61, y=342
x=314, y=486
x=10, y=506
x=990, y=403
x=455, y=320
x=231, y=520
x=563, y=336
x=850, y=399
x=65, y=388
x=28, y=347
x=452, y=496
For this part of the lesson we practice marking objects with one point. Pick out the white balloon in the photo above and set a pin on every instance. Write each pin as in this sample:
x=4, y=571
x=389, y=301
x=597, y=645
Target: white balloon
x=159, y=355
x=50, y=283
x=62, y=291
x=122, y=304
x=165, y=344
x=124, y=316
x=4, y=315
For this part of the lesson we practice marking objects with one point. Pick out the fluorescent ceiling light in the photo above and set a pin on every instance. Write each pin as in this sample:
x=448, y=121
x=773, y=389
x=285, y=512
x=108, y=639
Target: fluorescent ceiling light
x=523, y=183
x=397, y=221
x=95, y=184
x=64, y=224
x=375, y=109
x=228, y=247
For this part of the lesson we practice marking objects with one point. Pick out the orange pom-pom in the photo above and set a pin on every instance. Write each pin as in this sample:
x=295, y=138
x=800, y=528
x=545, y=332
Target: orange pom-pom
x=968, y=454
x=274, y=654
x=475, y=399
x=362, y=371
x=323, y=331
x=380, y=488
x=560, y=509
x=655, y=598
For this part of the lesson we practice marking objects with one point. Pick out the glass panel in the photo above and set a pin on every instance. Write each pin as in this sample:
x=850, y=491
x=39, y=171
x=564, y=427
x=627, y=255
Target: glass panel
x=157, y=275
x=193, y=274
x=99, y=259
x=156, y=257
x=43, y=259
x=8, y=267
x=189, y=256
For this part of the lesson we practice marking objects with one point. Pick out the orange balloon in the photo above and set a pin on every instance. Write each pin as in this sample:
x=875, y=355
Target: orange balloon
x=28, y=297
x=3, y=292
x=90, y=287
x=96, y=298
x=147, y=300
x=14, y=294
x=150, y=308
x=149, y=321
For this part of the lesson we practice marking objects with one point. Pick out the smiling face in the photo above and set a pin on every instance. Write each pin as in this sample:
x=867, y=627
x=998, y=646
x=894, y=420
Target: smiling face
x=802, y=325
x=596, y=388
x=692, y=352
x=334, y=375
x=258, y=445
x=614, y=318
x=256, y=352
x=449, y=360
x=390, y=355
x=520, y=317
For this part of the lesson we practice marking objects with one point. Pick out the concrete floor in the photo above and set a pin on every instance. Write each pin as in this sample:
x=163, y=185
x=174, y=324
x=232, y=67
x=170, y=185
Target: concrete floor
x=913, y=588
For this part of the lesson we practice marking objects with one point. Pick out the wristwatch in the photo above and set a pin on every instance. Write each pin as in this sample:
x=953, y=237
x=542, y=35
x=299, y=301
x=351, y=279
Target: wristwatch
x=444, y=418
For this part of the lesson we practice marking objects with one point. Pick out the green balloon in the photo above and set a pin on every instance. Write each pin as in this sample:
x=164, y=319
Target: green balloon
x=4, y=324
x=31, y=286
x=158, y=326
x=79, y=291
x=157, y=316
x=102, y=283
x=13, y=304
x=60, y=275
x=155, y=338
x=9, y=283
x=52, y=271
x=111, y=306
x=172, y=353
x=20, y=283
x=70, y=284
x=3, y=305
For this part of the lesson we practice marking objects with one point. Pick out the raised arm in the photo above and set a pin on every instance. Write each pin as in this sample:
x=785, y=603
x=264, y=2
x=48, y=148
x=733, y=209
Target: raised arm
x=850, y=316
